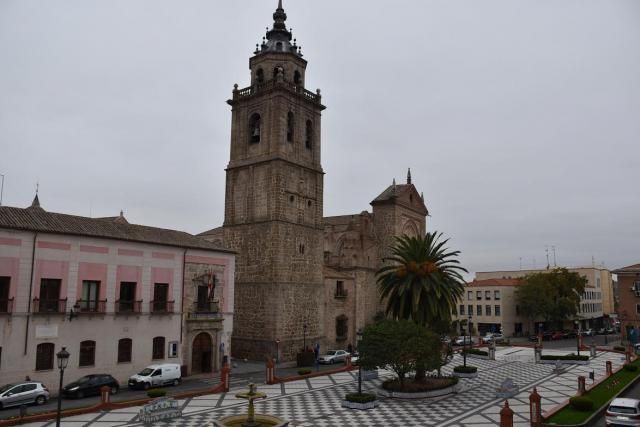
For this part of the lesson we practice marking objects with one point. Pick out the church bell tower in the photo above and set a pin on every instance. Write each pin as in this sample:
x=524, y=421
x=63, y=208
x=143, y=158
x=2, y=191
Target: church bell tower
x=273, y=202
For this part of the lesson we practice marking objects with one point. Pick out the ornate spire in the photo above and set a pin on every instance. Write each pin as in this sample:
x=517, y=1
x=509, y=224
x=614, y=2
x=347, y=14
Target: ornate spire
x=278, y=38
x=36, y=202
x=409, y=176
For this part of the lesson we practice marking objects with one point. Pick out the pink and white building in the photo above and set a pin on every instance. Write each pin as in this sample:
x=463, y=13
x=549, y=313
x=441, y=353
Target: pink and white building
x=118, y=296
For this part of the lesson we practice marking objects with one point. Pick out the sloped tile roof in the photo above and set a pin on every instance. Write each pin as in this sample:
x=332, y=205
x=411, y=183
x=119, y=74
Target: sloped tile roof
x=37, y=219
x=635, y=268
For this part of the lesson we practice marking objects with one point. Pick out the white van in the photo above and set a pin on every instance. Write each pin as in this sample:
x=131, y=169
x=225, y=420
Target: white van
x=156, y=376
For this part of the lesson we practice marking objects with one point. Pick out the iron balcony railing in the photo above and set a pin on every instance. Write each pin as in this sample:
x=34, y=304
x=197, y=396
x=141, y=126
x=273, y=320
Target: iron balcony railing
x=91, y=306
x=276, y=83
x=128, y=307
x=206, y=307
x=161, y=307
x=6, y=306
x=49, y=306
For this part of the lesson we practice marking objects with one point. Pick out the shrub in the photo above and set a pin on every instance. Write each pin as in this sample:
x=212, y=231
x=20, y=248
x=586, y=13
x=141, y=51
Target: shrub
x=410, y=386
x=581, y=403
x=629, y=367
x=619, y=348
x=304, y=371
x=465, y=369
x=571, y=356
x=476, y=351
x=360, y=398
x=156, y=392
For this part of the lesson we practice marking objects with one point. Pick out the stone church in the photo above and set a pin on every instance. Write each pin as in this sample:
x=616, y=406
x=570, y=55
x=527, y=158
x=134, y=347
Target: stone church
x=301, y=278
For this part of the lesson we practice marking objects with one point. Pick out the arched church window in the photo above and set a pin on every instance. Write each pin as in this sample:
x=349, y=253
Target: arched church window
x=308, y=140
x=254, y=128
x=297, y=78
x=290, y=126
x=260, y=75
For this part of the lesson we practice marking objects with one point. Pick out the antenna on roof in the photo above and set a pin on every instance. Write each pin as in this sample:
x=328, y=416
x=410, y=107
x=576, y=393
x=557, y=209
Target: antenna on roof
x=593, y=261
x=1, y=188
x=520, y=263
x=553, y=248
x=546, y=251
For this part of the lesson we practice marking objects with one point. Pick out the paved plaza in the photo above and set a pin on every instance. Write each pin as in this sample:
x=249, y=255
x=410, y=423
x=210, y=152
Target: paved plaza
x=316, y=401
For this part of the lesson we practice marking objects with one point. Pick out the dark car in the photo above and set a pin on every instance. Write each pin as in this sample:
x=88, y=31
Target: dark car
x=557, y=335
x=570, y=333
x=90, y=385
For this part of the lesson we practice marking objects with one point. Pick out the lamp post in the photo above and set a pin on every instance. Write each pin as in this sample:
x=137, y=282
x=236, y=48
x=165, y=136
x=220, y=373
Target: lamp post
x=63, y=360
x=277, y=350
x=578, y=336
x=464, y=340
x=358, y=339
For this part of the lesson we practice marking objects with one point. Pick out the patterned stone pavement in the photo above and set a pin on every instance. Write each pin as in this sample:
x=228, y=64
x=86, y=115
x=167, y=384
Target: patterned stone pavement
x=316, y=401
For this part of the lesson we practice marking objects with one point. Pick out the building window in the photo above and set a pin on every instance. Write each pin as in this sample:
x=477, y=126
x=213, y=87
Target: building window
x=461, y=309
x=158, y=348
x=496, y=310
x=496, y=294
x=50, y=296
x=637, y=308
x=308, y=139
x=470, y=310
x=469, y=295
x=4, y=294
x=254, y=128
x=126, y=303
x=478, y=295
x=260, y=75
x=342, y=326
x=173, y=349
x=297, y=78
x=341, y=292
x=487, y=294
x=44, y=356
x=87, y=353
x=487, y=310
x=90, y=295
x=479, y=310
x=124, y=350
x=160, y=297
x=290, y=127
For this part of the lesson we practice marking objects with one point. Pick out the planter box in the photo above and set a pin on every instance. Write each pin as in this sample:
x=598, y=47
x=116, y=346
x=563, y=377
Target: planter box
x=478, y=356
x=305, y=359
x=564, y=362
x=422, y=395
x=361, y=406
x=465, y=374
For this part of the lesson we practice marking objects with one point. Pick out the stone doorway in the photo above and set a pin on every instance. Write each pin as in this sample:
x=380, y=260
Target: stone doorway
x=202, y=353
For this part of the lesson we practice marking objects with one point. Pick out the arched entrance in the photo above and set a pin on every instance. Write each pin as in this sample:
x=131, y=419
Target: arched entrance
x=201, y=353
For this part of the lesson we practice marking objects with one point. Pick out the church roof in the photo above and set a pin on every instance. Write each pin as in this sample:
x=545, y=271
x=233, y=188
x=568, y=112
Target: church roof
x=278, y=38
x=635, y=268
x=36, y=219
x=404, y=194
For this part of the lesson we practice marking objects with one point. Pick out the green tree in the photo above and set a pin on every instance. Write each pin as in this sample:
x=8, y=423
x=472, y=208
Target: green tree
x=399, y=345
x=423, y=283
x=553, y=296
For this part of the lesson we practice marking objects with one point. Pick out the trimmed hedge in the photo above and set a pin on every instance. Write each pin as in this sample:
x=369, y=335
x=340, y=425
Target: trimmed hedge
x=629, y=367
x=571, y=356
x=581, y=403
x=619, y=348
x=360, y=398
x=465, y=369
x=410, y=386
x=156, y=392
x=476, y=351
x=304, y=371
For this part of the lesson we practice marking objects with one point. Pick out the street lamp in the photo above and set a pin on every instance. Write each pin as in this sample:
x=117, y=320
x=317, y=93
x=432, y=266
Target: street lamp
x=63, y=360
x=578, y=336
x=358, y=339
x=464, y=340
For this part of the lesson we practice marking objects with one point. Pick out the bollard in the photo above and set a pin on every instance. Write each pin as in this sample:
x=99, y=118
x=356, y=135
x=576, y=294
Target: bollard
x=270, y=370
x=535, y=411
x=224, y=376
x=627, y=356
x=581, y=385
x=506, y=415
x=348, y=361
x=105, y=395
x=592, y=350
x=609, y=368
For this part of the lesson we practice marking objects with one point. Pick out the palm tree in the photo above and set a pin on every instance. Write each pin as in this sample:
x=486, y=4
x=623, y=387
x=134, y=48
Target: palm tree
x=423, y=282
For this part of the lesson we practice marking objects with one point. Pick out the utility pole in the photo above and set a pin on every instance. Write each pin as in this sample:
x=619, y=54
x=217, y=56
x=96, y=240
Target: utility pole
x=553, y=248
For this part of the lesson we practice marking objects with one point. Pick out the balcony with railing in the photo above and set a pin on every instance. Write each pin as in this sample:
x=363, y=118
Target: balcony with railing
x=128, y=307
x=6, y=306
x=203, y=310
x=49, y=306
x=276, y=84
x=161, y=307
x=91, y=306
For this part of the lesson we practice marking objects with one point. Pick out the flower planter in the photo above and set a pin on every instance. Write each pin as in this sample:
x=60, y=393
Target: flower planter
x=361, y=406
x=465, y=374
x=305, y=359
x=564, y=362
x=420, y=395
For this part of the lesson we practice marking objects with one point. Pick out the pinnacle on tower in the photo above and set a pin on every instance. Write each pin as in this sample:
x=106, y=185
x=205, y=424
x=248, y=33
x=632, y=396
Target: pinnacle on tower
x=278, y=38
x=409, y=176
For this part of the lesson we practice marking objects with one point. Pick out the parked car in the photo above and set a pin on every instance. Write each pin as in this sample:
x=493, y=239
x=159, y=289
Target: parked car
x=569, y=333
x=557, y=335
x=623, y=412
x=155, y=376
x=446, y=340
x=355, y=358
x=588, y=332
x=493, y=337
x=333, y=356
x=90, y=385
x=463, y=340
x=23, y=394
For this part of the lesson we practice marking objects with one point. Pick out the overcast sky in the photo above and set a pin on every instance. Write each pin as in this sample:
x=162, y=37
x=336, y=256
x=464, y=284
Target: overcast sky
x=520, y=120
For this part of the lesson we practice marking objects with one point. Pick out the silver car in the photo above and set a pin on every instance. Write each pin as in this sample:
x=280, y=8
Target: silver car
x=333, y=356
x=23, y=394
x=623, y=412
